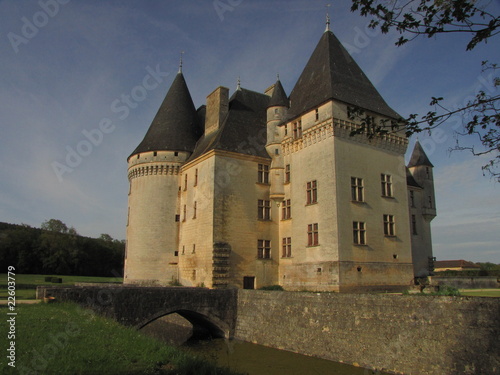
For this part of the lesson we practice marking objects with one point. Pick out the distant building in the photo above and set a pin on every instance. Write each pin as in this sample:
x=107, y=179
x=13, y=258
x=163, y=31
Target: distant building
x=261, y=189
x=455, y=265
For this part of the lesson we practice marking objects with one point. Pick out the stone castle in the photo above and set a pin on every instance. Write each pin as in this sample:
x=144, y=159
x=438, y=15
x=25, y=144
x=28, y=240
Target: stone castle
x=261, y=189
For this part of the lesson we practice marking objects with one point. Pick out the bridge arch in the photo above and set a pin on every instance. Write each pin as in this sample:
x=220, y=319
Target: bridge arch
x=201, y=321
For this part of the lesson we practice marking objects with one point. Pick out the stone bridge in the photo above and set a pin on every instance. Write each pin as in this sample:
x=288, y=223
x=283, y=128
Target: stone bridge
x=212, y=310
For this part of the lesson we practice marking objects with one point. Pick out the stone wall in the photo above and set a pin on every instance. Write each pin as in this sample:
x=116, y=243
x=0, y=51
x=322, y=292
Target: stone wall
x=470, y=282
x=400, y=334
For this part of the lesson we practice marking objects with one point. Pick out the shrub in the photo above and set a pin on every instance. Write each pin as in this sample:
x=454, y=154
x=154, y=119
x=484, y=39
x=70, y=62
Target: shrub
x=271, y=287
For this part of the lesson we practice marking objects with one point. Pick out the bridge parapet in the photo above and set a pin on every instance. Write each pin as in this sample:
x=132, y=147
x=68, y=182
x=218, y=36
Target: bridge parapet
x=213, y=309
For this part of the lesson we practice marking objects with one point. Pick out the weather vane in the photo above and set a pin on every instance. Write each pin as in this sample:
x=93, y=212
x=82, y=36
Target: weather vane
x=328, y=17
x=180, y=62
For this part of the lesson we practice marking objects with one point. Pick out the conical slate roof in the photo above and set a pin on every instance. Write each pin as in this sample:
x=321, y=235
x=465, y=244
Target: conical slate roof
x=331, y=73
x=419, y=157
x=279, y=97
x=175, y=126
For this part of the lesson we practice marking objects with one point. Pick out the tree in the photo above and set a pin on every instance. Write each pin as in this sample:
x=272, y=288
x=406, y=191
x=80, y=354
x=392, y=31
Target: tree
x=414, y=18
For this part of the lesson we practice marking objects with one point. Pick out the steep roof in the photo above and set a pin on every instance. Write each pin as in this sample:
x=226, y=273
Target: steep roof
x=410, y=180
x=419, y=157
x=176, y=125
x=244, y=129
x=331, y=73
x=279, y=97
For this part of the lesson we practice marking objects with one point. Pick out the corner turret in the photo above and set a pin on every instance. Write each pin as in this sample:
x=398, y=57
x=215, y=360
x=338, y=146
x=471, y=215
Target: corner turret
x=421, y=170
x=154, y=173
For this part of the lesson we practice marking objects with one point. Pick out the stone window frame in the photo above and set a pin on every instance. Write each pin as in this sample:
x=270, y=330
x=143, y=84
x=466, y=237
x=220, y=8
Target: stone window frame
x=386, y=185
x=359, y=232
x=263, y=174
x=264, y=209
x=312, y=192
x=263, y=249
x=389, y=225
x=313, y=234
x=286, y=209
x=357, y=189
x=286, y=244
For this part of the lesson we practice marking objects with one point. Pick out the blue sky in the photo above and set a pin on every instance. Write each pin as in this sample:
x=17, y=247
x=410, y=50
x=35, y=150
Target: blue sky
x=69, y=65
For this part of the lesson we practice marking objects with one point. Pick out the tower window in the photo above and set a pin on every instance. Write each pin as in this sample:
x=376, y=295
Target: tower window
x=194, y=248
x=312, y=235
x=312, y=192
x=412, y=198
x=195, y=177
x=263, y=174
x=389, y=225
x=316, y=113
x=263, y=249
x=286, y=210
x=264, y=209
x=185, y=182
x=155, y=153
x=359, y=232
x=184, y=210
x=414, y=224
x=286, y=247
x=357, y=189
x=176, y=153
x=386, y=182
x=194, y=209
x=430, y=201
x=287, y=173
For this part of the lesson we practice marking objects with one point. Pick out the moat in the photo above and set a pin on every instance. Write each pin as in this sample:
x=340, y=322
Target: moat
x=243, y=356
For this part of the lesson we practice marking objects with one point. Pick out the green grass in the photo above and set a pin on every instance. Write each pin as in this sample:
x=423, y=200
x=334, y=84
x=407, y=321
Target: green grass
x=66, y=339
x=481, y=292
x=26, y=284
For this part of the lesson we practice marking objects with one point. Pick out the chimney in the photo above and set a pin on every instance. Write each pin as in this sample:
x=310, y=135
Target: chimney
x=217, y=108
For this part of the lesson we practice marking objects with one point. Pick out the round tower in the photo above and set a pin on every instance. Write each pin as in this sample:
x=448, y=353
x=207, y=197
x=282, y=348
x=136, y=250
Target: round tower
x=276, y=115
x=154, y=177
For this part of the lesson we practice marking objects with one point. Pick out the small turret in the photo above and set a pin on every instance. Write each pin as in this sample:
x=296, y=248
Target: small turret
x=421, y=169
x=276, y=114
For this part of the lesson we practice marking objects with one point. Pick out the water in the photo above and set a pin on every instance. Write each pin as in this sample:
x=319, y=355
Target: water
x=246, y=357
x=256, y=359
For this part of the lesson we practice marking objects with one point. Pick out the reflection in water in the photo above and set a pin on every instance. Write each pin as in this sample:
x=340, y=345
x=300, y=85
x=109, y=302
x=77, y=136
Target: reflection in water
x=245, y=357
x=260, y=360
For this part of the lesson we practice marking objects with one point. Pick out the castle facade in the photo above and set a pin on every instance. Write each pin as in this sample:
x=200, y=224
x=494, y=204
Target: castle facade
x=259, y=189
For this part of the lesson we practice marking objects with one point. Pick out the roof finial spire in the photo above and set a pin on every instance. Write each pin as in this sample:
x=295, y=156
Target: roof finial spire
x=327, y=17
x=180, y=62
x=238, y=87
x=277, y=76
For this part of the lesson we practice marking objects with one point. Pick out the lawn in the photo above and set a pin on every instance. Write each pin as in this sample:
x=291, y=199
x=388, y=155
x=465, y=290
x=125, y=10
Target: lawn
x=62, y=338
x=480, y=292
x=26, y=284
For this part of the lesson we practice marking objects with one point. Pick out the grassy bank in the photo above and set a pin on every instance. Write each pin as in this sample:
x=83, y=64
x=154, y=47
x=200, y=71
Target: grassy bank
x=26, y=284
x=65, y=339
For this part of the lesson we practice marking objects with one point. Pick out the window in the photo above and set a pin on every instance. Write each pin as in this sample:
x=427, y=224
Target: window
x=357, y=189
x=287, y=173
x=184, y=210
x=176, y=153
x=264, y=210
x=195, y=177
x=389, y=225
x=429, y=199
x=312, y=235
x=386, y=185
x=286, y=129
x=263, y=174
x=359, y=232
x=263, y=249
x=428, y=172
x=297, y=129
x=185, y=182
x=316, y=113
x=286, y=210
x=177, y=217
x=155, y=153
x=312, y=192
x=414, y=224
x=287, y=247
x=194, y=209
x=183, y=249
x=412, y=198
x=194, y=248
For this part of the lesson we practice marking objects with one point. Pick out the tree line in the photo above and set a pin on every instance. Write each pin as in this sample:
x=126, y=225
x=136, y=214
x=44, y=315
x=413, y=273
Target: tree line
x=55, y=249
